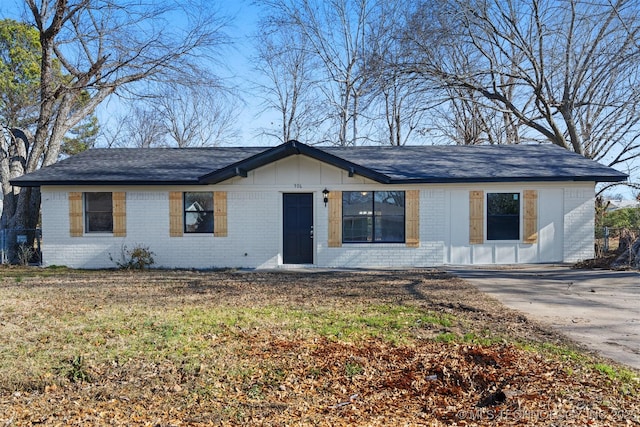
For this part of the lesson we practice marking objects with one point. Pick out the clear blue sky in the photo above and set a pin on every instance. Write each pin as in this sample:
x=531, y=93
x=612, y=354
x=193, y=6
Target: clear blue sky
x=245, y=19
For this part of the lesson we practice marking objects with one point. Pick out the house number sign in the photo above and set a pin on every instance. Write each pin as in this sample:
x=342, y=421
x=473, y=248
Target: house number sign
x=297, y=185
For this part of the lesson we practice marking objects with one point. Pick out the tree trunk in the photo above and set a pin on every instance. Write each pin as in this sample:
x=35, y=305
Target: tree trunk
x=629, y=250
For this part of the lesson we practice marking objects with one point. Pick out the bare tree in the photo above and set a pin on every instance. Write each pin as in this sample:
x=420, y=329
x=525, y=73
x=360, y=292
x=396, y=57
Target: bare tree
x=142, y=127
x=566, y=72
x=398, y=103
x=464, y=121
x=104, y=47
x=197, y=116
x=179, y=116
x=335, y=33
x=331, y=65
x=285, y=62
x=466, y=118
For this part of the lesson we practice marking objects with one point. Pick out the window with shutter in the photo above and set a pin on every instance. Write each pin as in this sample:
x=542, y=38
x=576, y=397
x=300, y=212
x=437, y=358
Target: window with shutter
x=530, y=216
x=97, y=212
x=198, y=212
x=175, y=214
x=75, y=214
x=335, y=219
x=476, y=217
x=412, y=220
x=220, y=214
x=119, y=214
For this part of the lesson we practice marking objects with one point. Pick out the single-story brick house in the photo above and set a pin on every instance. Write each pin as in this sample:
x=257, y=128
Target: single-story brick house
x=295, y=204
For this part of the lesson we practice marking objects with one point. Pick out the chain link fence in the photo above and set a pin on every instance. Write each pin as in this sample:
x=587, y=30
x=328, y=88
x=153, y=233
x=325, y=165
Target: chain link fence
x=21, y=246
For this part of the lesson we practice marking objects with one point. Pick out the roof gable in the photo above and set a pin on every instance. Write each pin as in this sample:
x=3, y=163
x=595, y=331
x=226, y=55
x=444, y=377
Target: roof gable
x=285, y=150
x=387, y=165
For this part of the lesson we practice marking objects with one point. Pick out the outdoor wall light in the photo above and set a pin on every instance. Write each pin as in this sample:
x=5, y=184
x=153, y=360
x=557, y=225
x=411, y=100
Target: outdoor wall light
x=325, y=196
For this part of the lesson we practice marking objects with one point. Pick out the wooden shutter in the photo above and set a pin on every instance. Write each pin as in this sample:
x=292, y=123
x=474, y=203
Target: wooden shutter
x=220, y=214
x=119, y=203
x=476, y=217
x=335, y=219
x=530, y=216
x=75, y=214
x=176, y=227
x=412, y=218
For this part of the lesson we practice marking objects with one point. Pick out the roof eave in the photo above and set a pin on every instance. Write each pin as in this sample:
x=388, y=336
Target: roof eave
x=36, y=183
x=233, y=173
x=436, y=180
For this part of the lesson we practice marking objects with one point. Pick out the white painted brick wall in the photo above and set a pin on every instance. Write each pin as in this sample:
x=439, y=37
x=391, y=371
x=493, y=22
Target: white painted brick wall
x=433, y=223
x=579, y=217
x=255, y=232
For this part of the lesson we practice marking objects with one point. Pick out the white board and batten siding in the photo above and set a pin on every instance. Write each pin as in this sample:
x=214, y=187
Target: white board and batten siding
x=254, y=224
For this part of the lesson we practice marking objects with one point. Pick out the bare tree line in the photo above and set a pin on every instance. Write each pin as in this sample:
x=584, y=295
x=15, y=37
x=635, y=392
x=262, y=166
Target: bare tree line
x=463, y=71
x=176, y=115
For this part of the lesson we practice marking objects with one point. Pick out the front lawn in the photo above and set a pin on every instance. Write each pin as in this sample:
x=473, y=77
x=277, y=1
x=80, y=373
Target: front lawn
x=181, y=348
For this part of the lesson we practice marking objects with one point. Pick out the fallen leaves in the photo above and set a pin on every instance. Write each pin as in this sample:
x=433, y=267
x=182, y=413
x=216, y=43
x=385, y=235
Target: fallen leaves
x=269, y=374
x=474, y=384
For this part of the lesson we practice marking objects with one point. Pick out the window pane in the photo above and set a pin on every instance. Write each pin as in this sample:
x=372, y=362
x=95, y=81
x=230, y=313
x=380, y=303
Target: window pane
x=198, y=222
x=357, y=211
x=357, y=229
x=198, y=201
x=99, y=222
x=198, y=212
x=503, y=204
x=503, y=227
x=390, y=229
x=98, y=202
x=389, y=213
x=357, y=203
x=503, y=216
x=98, y=212
x=389, y=203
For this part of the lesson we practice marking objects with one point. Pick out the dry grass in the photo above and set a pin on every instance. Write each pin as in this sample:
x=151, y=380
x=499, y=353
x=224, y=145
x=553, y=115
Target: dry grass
x=210, y=348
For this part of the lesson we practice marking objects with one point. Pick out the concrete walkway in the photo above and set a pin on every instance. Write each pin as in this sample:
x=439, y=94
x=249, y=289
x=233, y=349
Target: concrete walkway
x=597, y=308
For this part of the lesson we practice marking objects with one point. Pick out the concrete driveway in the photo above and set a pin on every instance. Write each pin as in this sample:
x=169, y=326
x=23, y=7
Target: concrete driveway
x=597, y=308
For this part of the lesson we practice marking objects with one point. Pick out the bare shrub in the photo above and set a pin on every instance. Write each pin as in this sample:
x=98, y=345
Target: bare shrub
x=139, y=257
x=25, y=253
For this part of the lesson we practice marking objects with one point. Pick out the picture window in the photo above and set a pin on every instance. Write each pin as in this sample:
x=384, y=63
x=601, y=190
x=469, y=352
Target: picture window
x=373, y=217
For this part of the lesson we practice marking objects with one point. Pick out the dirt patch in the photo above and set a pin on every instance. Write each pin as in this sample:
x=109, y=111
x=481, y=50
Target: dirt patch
x=414, y=347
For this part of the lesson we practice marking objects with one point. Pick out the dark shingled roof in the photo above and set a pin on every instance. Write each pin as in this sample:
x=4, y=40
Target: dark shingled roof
x=389, y=165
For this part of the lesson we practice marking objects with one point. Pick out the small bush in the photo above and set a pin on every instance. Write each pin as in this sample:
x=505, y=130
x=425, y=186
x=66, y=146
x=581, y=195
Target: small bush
x=138, y=257
x=25, y=253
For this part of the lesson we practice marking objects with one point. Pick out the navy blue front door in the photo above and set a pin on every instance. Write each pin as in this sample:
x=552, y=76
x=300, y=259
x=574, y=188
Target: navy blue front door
x=298, y=228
